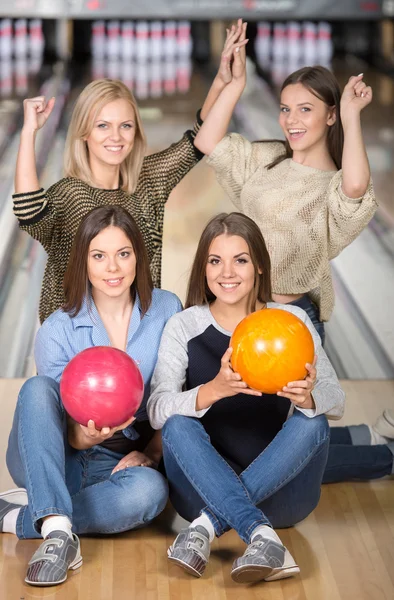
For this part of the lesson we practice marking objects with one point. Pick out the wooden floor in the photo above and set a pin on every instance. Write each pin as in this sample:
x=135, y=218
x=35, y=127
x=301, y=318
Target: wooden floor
x=345, y=548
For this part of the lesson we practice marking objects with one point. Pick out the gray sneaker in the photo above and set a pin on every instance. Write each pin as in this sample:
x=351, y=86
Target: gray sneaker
x=10, y=500
x=50, y=563
x=261, y=558
x=191, y=550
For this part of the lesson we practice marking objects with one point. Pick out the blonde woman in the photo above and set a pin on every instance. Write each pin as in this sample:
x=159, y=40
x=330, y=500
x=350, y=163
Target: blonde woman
x=105, y=163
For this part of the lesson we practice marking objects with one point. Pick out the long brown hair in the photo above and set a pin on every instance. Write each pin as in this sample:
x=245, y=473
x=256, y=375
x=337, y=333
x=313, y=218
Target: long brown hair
x=88, y=105
x=76, y=282
x=235, y=223
x=322, y=84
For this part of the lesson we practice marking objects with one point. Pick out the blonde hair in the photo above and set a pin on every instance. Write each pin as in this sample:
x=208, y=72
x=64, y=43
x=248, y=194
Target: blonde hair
x=89, y=104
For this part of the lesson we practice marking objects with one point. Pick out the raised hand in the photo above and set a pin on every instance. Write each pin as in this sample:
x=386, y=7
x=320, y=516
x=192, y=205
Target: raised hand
x=300, y=392
x=356, y=96
x=36, y=112
x=235, y=38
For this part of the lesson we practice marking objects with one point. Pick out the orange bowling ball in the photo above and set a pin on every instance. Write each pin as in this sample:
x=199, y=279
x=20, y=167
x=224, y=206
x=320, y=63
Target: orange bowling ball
x=270, y=348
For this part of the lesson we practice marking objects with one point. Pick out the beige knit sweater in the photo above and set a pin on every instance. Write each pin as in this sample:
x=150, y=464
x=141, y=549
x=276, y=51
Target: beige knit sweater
x=305, y=217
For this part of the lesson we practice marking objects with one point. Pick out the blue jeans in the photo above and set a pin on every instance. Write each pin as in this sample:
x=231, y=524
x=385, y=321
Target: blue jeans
x=312, y=311
x=347, y=461
x=279, y=488
x=76, y=483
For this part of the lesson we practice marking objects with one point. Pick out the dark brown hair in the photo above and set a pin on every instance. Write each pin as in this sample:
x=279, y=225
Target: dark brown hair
x=235, y=223
x=76, y=281
x=322, y=84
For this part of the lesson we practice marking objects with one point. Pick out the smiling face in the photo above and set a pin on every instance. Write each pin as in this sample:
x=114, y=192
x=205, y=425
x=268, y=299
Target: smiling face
x=304, y=118
x=111, y=263
x=230, y=271
x=112, y=137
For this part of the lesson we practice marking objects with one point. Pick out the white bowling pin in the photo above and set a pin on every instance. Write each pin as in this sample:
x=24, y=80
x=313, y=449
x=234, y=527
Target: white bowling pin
x=184, y=39
x=309, y=43
x=20, y=38
x=294, y=41
x=183, y=74
x=113, y=40
x=113, y=68
x=98, y=41
x=170, y=76
x=5, y=77
x=279, y=43
x=324, y=44
x=142, y=80
x=6, y=41
x=141, y=42
x=98, y=68
x=36, y=40
x=127, y=73
x=155, y=79
x=170, y=41
x=127, y=41
x=156, y=40
x=21, y=76
x=263, y=44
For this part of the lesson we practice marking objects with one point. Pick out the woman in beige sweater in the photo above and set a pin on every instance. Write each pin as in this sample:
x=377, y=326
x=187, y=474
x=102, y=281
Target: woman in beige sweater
x=311, y=195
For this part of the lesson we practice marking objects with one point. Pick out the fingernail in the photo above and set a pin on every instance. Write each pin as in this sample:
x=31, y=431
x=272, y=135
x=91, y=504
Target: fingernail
x=359, y=75
x=362, y=94
x=237, y=49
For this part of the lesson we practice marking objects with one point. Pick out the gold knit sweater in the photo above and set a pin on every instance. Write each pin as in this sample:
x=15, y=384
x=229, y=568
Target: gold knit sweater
x=53, y=217
x=305, y=217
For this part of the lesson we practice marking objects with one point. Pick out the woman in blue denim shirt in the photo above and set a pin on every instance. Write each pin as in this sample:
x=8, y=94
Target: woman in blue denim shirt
x=80, y=480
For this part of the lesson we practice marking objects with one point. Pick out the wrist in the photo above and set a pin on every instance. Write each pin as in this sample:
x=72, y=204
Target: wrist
x=218, y=83
x=27, y=132
x=351, y=121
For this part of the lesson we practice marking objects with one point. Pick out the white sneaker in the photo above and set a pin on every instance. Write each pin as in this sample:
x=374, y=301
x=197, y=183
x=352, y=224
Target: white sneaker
x=384, y=425
x=288, y=569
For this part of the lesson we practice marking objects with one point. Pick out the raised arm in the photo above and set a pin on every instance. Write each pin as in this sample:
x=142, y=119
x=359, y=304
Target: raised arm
x=36, y=113
x=220, y=110
x=355, y=166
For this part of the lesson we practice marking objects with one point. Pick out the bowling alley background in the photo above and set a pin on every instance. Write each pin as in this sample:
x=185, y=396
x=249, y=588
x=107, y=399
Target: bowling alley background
x=167, y=52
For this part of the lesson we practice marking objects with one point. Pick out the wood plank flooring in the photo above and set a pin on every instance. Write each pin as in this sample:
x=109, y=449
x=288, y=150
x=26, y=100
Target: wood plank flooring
x=345, y=548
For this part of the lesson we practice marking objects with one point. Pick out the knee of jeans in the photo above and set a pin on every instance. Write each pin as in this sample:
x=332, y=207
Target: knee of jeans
x=175, y=426
x=144, y=488
x=38, y=391
x=297, y=513
x=317, y=427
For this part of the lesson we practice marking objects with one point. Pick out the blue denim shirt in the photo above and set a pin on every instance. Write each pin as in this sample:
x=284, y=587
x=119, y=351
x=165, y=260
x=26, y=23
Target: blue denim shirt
x=61, y=337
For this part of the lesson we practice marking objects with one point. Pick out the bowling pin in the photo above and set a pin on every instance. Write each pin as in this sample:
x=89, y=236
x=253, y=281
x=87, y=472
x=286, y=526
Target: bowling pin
x=294, y=41
x=279, y=70
x=98, y=40
x=155, y=79
x=309, y=43
x=141, y=40
x=170, y=41
x=141, y=80
x=156, y=40
x=20, y=39
x=324, y=44
x=36, y=40
x=113, y=40
x=184, y=39
x=98, y=68
x=279, y=42
x=113, y=68
x=263, y=44
x=21, y=76
x=127, y=41
x=5, y=77
x=183, y=74
x=6, y=41
x=170, y=76
x=127, y=73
